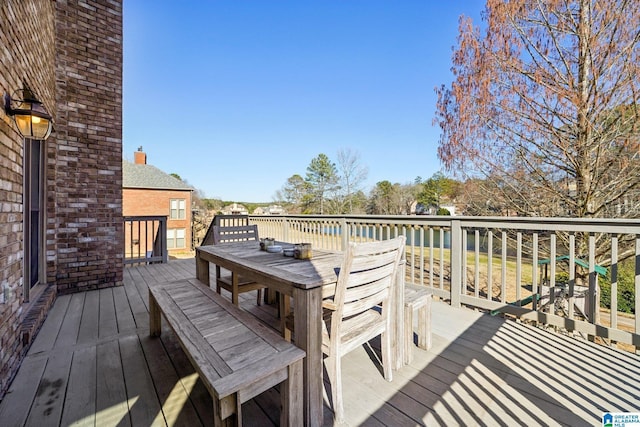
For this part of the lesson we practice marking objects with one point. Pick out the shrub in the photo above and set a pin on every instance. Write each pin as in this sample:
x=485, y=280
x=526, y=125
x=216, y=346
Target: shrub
x=626, y=288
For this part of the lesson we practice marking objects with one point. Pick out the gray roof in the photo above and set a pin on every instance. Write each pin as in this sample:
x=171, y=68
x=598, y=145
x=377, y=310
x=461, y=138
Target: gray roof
x=147, y=176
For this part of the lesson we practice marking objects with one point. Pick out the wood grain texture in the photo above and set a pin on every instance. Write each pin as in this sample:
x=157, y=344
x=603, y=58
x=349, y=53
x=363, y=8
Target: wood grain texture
x=236, y=356
x=480, y=370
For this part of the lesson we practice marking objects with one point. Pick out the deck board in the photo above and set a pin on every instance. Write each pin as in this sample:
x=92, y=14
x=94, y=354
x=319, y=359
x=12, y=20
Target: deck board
x=93, y=363
x=90, y=318
x=46, y=338
x=14, y=408
x=50, y=397
x=108, y=325
x=68, y=334
x=173, y=391
x=124, y=315
x=139, y=384
x=112, y=405
x=79, y=403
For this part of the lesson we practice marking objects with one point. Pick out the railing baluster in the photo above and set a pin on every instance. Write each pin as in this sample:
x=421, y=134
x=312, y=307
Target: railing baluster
x=489, y=265
x=503, y=272
x=534, y=270
x=637, y=289
x=441, y=269
x=464, y=259
x=476, y=284
x=518, y=266
x=560, y=242
x=594, y=297
x=614, y=281
x=431, y=256
x=572, y=274
x=552, y=274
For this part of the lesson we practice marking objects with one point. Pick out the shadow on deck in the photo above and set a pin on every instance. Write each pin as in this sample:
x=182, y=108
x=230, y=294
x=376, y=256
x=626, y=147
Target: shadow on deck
x=93, y=363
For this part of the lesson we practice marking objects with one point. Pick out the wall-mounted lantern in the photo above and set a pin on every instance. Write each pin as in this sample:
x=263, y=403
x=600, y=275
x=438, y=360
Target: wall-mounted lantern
x=30, y=115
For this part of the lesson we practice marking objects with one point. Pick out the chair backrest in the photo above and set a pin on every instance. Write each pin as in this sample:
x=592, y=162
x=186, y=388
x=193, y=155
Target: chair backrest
x=236, y=233
x=223, y=221
x=366, y=277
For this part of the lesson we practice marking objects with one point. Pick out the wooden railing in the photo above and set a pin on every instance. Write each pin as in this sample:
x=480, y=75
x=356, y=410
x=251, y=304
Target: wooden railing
x=145, y=239
x=542, y=270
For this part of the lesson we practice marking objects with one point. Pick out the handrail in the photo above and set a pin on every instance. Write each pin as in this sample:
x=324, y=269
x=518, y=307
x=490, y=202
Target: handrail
x=145, y=239
x=491, y=263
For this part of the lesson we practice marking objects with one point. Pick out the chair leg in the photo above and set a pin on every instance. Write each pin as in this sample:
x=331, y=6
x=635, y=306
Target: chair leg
x=408, y=334
x=424, y=324
x=259, y=301
x=385, y=343
x=335, y=377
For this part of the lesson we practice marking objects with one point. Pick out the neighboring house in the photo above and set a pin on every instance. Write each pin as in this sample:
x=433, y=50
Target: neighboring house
x=420, y=209
x=61, y=227
x=235, y=209
x=270, y=210
x=148, y=191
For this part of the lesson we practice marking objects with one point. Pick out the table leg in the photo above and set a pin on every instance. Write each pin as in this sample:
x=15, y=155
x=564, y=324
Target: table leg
x=235, y=288
x=308, y=336
x=202, y=269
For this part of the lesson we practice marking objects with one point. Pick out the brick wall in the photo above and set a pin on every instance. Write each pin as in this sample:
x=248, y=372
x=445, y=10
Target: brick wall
x=85, y=244
x=69, y=52
x=27, y=55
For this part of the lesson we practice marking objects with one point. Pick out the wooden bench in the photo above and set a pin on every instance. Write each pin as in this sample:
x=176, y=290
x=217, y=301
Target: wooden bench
x=235, y=355
x=416, y=298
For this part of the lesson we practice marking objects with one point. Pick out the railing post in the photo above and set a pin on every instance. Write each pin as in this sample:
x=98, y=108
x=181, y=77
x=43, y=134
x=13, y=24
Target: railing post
x=456, y=252
x=163, y=239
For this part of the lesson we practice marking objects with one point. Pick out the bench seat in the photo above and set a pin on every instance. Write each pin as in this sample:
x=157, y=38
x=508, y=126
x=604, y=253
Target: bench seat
x=235, y=355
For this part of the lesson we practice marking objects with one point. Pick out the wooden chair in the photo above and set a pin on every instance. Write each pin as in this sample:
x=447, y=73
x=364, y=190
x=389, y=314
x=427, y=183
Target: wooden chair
x=359, y=310
x=229, y=282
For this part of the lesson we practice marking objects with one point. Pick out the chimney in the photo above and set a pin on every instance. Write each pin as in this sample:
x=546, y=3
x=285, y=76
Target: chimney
x=140, y=157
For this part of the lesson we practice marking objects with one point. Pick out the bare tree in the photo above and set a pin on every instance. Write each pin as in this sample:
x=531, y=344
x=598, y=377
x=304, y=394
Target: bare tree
x=545, y=104
x=352, y=174
x=391, y=199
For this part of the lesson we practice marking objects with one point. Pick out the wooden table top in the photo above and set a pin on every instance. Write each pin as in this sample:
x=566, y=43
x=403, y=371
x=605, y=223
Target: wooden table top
x=318, y=271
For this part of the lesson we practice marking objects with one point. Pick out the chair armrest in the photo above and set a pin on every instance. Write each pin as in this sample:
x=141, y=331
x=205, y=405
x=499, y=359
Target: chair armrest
x=329, y=304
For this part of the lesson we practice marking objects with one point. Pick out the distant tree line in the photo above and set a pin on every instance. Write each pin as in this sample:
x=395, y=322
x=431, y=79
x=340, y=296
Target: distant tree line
x=336, y=188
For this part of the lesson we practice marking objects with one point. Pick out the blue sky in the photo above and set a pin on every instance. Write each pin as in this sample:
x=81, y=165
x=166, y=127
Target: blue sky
x=237, y=96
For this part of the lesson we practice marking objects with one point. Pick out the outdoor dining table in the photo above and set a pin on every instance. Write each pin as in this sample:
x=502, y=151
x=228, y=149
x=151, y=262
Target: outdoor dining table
x=302, y=279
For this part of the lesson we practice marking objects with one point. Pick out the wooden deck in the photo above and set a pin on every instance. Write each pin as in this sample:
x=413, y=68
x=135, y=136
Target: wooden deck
x=93, y=363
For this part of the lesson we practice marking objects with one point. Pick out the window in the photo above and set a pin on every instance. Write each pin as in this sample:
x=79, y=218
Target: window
x=176, y=238
x=178, y=209
x=34, y=218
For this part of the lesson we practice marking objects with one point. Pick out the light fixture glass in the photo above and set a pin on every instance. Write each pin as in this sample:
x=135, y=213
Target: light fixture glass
x=30, y=116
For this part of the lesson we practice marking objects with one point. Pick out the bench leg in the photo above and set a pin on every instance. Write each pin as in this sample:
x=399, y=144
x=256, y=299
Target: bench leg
x=291, y=397
x=424, y=325
x=154, y=317
x=408, y=334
